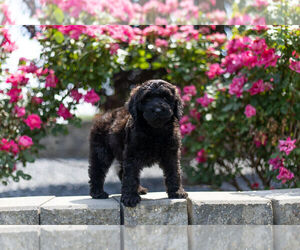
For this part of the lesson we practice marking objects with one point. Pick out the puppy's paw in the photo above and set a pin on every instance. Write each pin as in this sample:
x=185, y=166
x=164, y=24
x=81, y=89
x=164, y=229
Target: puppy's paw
x=142, y=190
x=99, y=195
x=130, y=200
x=180, y=194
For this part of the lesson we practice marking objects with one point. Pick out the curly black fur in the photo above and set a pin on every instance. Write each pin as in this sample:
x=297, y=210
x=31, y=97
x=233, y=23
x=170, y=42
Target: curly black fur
x=144, y=132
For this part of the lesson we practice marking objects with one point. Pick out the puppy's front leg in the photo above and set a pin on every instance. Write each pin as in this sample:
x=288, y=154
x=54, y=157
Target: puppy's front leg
x=171, y=168
x=130, y=183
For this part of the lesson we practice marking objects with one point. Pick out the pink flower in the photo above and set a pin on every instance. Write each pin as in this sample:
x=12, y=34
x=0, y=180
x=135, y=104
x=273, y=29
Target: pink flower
x=14, y=147
x=184, y=119
x=248, y=59
x=236, y=87
x=260, y=3
x=186, y=98
x=238, y=44
x=294, y=65
x=20, y=111
x=195, y=114
x=74, y=31
x=233, y=62
x=276, y=162
x=17, y=80
x=91, y=97
x=32, y=68
x=190, y=90
x=268, y=58
x=201, y=156
x=36, y=100
x=216, y=37
x=9, y=146
x=25, y=142
x=259, y=87
x=9, y=46
x=205, y=100
x=4, y=145
x=161, y=43
x=294, y=53
x=64, y=112
x=258, y=45
x=76, y=95
x=187, y=128
x=250, y=111
x=113, y=48
x=214, y=70
x=41, y=71
x=284, y=175
x=287, y=146
x=33, y=121
x=14, y=95
x=260, y=27
x=51, y=80
x=160, y=21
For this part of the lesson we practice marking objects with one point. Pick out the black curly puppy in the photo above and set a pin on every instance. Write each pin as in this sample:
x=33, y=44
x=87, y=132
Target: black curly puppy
x=144, y=132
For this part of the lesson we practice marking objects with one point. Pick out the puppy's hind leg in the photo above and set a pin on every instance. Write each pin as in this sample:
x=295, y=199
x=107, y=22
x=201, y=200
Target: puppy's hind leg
x=100, y=160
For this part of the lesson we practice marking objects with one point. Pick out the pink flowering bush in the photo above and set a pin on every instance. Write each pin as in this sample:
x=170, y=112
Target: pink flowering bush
x=41, y=96
x=33, y=104
x=162, y=12
x=249, y=112
x=241, y=94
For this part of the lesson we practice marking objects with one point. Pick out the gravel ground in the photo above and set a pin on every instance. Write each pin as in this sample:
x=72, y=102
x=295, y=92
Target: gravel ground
x=64, y=177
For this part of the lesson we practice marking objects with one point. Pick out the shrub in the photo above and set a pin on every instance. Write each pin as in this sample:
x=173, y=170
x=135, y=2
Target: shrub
x=160, y=12
x=33, y=104
x=247, y=112
x=241, y=94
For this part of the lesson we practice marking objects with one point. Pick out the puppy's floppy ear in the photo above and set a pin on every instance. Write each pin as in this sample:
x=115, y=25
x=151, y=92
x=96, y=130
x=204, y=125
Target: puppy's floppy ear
x=178, y=109
x=131, y=104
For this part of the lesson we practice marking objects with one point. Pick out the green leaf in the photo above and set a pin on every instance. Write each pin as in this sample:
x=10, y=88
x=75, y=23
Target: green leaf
x=144, y=65
x=142, y=52
x=59, y=37
x=156, y=65
x=283, y=109
x=148, y=56
x=58, y=15
x=28, y=157
x=274, y=155
x=21, y=174
x=26, y=177
x=228, y=107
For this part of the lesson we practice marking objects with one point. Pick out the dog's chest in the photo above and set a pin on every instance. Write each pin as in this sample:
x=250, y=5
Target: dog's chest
x=154, y=147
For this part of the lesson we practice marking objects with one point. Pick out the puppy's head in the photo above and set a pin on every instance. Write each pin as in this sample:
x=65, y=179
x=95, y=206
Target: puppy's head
x=155, y=101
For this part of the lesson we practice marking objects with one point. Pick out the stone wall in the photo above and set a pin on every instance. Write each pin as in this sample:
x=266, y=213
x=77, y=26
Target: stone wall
x=113, y=237
x=278, y=207
x=73, y=145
